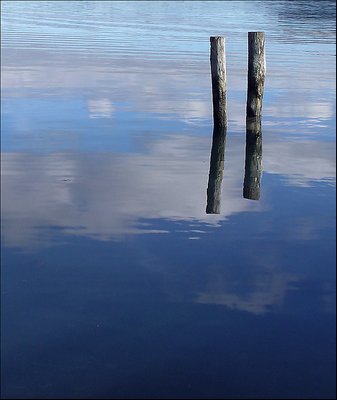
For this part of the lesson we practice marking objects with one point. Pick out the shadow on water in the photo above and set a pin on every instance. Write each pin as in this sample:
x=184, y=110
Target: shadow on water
x=253, y=161
x=216, y=170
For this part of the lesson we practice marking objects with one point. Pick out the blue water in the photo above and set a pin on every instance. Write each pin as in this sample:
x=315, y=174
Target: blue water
x=115, y=281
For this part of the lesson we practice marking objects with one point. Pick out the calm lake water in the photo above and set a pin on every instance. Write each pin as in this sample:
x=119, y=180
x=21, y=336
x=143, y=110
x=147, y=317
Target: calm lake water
x=115, y=281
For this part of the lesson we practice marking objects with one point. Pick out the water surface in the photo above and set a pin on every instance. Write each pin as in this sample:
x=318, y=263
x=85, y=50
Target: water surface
x=115, y=281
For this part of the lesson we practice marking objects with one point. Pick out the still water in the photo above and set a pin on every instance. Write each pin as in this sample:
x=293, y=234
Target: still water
x=115, y=281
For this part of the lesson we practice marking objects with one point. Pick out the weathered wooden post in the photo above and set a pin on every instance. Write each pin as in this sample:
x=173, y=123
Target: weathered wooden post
x=253, y=161
x=216, y=171
x=256, y=73
x=218, y=71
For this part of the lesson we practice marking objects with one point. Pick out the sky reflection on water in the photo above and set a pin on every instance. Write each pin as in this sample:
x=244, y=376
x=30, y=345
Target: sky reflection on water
x=110, y=265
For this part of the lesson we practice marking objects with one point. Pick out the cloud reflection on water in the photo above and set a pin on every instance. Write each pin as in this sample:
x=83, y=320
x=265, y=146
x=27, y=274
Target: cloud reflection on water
x=106, y=194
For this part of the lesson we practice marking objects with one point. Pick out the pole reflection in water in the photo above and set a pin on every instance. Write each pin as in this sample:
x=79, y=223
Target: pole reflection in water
x=216, y=170
x=253, y=168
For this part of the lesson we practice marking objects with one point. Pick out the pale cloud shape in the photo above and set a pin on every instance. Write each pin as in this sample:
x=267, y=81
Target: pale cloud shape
x=105, y=195
x=266, y=290
x=301, y=163
x=257, y=287
x=167, y=88
x=100, y=108
x=309, y=109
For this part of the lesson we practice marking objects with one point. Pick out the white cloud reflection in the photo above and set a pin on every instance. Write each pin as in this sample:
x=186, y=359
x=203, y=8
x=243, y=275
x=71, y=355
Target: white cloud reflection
x=100, y=108
x=266, y=289
x=301, y=163
x=106, y=195
x=168, y=88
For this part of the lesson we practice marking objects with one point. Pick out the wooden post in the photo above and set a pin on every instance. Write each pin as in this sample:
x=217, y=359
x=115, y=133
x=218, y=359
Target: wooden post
x=218, y=71
x=256, y=73
x=253, y=161
x=216, y=171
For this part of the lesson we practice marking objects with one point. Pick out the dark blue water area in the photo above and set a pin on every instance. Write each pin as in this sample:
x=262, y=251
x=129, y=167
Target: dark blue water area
x=246, y=311
x=102, y=333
